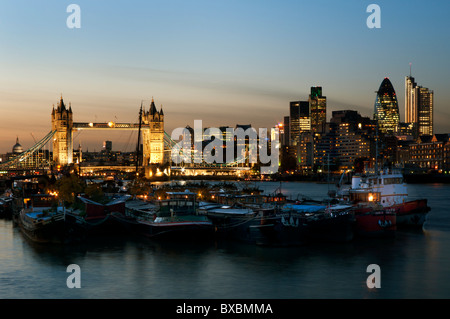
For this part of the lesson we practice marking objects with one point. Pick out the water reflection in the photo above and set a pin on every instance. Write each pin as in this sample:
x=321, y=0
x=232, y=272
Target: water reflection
x=414, y=264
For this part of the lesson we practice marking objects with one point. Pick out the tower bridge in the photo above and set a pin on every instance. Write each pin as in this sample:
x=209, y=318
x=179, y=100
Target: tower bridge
x=155, y=142
x=151, y=126
x=60, y=137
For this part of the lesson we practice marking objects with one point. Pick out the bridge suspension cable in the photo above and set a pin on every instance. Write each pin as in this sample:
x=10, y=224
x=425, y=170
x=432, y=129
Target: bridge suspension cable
x=15, y=161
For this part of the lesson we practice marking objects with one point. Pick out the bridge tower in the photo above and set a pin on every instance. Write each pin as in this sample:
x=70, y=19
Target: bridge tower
x=153, y=138
x=62, y=123
x=152, y=129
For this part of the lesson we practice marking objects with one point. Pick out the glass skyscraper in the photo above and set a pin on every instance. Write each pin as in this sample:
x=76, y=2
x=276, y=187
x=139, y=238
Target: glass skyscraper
x=299, y=120
x=386, y=108
x=419, y=107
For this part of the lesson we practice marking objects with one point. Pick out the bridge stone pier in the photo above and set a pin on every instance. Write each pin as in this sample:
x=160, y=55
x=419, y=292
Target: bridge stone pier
x=152, y=129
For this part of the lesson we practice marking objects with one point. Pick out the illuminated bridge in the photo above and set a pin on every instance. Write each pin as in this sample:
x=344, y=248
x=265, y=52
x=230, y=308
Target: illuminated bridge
x=157, y=145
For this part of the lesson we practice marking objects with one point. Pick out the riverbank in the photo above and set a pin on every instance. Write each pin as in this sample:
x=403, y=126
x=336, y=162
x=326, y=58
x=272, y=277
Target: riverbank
x=423, y=178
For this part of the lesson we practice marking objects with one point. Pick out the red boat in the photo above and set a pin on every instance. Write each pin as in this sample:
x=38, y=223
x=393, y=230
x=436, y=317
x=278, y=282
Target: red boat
x=375, y=221
x=412, y=213
x=100, y=218
x=387, y=189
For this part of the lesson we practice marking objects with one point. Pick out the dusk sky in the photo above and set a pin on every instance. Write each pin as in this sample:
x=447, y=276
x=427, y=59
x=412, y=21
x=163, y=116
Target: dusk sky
x=224, y=62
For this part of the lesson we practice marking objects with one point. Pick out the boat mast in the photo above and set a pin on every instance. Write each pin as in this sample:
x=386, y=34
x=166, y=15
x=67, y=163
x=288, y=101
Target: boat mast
x=328, y=172
x=376, y=136
x=376, y=149
x=138, y=141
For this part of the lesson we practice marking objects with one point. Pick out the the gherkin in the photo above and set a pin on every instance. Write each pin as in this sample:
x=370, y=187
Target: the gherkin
x=386, y=108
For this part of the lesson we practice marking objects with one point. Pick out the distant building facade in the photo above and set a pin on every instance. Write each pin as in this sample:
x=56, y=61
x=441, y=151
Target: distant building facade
x=428, y=152
x=348, y=137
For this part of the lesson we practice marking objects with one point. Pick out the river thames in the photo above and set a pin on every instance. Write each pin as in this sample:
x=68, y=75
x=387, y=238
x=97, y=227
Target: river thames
x=414, y=264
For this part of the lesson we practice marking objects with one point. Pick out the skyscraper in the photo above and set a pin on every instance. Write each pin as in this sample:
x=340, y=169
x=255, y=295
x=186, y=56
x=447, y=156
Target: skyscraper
x=287, y=131
x=299, y=120
x=410, y=100
x=318, y=109
x=386, y=108
x=294, y=119
x=419, y=106
x=425, y=111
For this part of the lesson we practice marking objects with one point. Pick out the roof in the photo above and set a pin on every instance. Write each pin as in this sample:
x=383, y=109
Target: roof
x=305, y=208
x=386, y=87
x=17, y=148
x=440, y=138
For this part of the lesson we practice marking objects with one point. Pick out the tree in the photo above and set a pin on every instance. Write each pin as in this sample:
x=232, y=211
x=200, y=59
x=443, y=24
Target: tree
x=68, y=187
x=140, y=186
x=94, y=191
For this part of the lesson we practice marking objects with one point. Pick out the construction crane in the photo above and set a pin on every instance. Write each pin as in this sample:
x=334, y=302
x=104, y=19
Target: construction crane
x=35, y=142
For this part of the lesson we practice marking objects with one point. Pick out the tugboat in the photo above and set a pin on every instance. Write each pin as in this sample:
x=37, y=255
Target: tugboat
x=372, y=219
x=389, y=192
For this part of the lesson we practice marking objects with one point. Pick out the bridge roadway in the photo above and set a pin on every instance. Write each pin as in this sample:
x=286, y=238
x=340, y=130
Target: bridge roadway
x=109, y=125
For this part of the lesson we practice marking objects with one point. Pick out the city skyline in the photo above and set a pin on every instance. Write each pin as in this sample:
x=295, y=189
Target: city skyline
x=226, y=63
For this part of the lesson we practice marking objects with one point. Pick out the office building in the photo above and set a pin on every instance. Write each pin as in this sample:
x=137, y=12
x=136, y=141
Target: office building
x=317, y=109
x=419, y=107
x=386, y=109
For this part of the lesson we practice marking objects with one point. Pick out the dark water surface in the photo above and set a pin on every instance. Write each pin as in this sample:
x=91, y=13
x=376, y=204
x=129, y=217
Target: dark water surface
x=414, y=264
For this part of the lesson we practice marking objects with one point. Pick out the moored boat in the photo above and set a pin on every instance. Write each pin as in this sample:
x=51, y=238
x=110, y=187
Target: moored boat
x=375, y=221
x=307, y=223
x=6, y=203
x=241, y=223
x=42, y=220
x=387, y=189
x=102, y=218
x=174, y=217
x=411, y=213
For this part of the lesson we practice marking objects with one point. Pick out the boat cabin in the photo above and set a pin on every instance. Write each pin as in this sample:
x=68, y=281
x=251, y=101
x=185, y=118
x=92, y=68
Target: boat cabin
x=358, y=196
x=40, y=201
x=386, y=188
x=178, y=203
x=275, y=198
